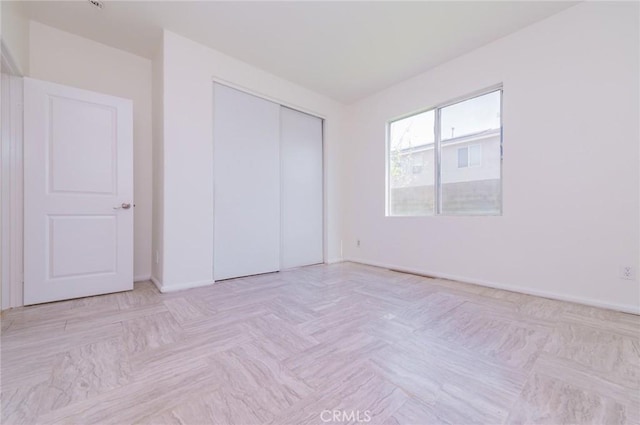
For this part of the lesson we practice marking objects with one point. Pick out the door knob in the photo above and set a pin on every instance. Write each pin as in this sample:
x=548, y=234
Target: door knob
x=126, y=206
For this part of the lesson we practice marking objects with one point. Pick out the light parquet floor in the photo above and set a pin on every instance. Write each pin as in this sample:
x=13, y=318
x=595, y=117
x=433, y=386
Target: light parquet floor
x=377, y=346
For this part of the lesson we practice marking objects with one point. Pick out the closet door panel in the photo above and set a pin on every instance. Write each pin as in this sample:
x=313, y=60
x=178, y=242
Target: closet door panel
x=301, y=188
x=247, y=184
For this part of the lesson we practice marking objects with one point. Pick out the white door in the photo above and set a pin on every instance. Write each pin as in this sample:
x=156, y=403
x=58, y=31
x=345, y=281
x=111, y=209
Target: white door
x=247, y=184
x=78, y=193
x=301, y=174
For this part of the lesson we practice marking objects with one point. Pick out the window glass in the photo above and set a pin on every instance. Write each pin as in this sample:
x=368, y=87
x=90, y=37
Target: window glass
x=470, y=116
x=463, y=157
x=475, y=155
x=411, y=160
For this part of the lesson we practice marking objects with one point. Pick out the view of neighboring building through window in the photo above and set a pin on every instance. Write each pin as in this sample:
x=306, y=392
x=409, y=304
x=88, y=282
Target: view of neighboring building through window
x=447, y=160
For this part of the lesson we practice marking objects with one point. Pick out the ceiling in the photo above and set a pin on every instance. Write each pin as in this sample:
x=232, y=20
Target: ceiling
x=345, y=50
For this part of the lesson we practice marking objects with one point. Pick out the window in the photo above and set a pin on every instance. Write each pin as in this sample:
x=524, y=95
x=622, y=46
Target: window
x=470, y=156
x=447, y=160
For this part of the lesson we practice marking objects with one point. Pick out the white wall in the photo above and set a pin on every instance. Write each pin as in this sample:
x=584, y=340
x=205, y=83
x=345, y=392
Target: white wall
x=571, y=181
x=65, y=58
x=14, y=32
x=189, y=71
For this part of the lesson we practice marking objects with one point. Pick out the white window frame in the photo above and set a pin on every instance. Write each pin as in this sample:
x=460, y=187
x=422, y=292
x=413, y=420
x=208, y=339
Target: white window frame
x=437, y=153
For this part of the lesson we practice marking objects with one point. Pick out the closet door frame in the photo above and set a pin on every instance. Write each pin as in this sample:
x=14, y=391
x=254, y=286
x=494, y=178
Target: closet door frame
x=298, y=108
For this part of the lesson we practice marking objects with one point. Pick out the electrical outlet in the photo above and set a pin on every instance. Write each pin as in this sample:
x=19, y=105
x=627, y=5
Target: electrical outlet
x=627, y=273
x=358, y=243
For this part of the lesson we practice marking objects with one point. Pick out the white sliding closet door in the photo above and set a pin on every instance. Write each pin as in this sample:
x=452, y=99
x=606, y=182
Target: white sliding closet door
x=301, y=188
x=247, y=184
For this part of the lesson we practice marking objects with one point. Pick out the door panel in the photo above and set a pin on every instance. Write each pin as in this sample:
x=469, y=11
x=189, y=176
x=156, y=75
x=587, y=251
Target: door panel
x=83, y=143
x=247, y=184
x=78, y=174
x=301, y=168
x=82, y=245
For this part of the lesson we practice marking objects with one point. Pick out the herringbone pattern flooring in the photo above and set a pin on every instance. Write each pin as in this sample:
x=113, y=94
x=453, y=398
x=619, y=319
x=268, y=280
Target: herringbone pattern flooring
x=373, y=345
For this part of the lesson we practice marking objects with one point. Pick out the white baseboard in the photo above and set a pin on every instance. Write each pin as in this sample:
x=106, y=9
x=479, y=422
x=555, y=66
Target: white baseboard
x=179, y=286
x=142, y=278
x=625, y=308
